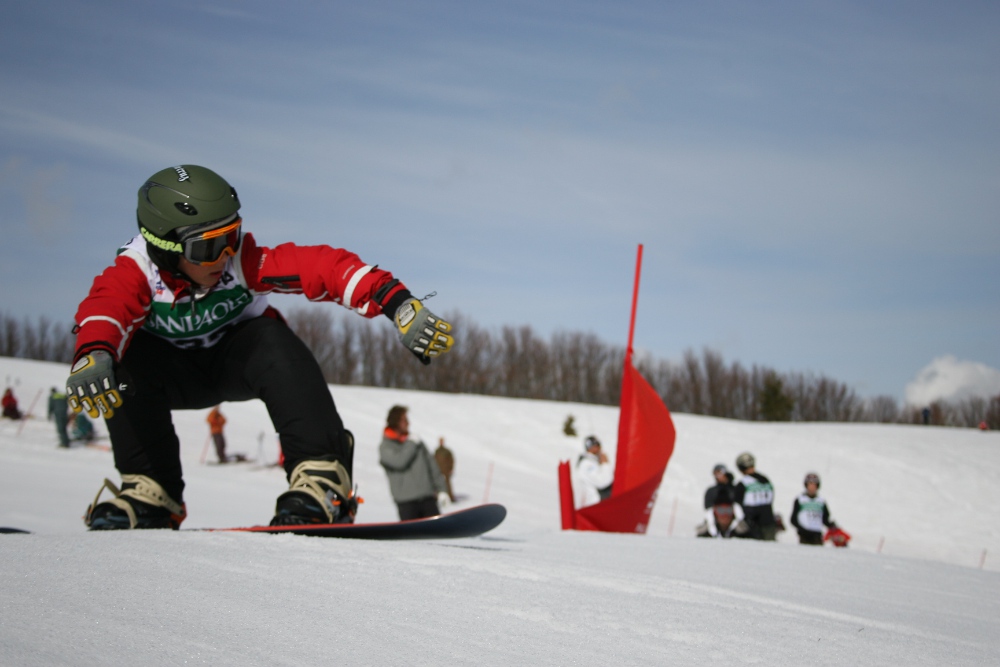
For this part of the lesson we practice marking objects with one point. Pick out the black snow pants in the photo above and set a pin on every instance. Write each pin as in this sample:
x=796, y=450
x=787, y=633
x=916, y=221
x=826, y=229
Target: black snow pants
x=260, y=358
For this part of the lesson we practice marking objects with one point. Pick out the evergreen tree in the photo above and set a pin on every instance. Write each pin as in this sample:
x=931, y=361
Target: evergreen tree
x=775, y=404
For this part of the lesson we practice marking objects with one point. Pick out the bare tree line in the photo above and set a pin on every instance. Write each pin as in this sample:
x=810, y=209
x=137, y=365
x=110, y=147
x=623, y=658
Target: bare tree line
x=570, y=366
x=577, y=367
x=39, y=339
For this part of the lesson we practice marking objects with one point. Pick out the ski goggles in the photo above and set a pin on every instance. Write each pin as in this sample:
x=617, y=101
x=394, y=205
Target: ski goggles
x=207, y=246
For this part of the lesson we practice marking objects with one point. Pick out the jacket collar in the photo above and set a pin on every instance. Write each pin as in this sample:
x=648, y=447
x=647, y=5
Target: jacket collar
x=393, y=434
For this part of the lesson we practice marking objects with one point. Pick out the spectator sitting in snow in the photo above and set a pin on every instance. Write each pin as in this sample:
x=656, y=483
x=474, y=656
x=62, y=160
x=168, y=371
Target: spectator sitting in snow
x=81, y=428
x=10, y=409
x=724, y=518
x=594, y=474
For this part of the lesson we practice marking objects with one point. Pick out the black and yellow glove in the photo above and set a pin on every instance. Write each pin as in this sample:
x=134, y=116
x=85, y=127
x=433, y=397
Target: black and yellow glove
x=92, y=386
x=422, y=332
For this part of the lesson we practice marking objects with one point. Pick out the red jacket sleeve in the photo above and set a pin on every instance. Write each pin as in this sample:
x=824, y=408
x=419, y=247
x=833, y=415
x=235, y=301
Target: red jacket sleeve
x=321, y=273
x=116, y=306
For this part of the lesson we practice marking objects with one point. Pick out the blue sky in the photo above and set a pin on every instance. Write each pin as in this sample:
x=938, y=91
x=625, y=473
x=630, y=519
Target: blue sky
x=816, y=184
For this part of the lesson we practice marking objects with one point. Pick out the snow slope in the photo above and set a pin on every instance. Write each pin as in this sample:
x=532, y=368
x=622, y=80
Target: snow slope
x=919, y=584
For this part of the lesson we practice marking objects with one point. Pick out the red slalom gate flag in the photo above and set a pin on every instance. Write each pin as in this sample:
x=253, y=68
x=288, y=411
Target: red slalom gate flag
x=646, y=437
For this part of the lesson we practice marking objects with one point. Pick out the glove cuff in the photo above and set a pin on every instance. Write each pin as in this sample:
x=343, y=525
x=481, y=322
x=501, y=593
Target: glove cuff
x=93, y=347
x=390, y=307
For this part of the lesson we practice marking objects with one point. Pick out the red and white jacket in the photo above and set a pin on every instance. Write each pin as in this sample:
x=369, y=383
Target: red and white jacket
x=134, y=293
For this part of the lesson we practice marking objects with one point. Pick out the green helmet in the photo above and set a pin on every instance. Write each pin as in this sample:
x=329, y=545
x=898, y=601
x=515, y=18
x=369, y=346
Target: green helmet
x=182, y=196
x=177, y=197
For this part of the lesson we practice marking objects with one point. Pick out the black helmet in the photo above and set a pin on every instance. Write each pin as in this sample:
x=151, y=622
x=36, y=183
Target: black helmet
x=745, y=461
x=811, y=477
x=181, y=197
x=591, y=441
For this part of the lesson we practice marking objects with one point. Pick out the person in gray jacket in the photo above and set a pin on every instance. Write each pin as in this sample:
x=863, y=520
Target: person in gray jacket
x=415, y=480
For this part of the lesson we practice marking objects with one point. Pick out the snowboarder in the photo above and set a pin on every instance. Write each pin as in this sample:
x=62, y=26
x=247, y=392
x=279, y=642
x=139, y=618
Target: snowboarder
x=59, y=415
x=810, y=513
x=415, y=481
x=181, y=321
x=723, y=482
x=756, y=495
x=594, y=474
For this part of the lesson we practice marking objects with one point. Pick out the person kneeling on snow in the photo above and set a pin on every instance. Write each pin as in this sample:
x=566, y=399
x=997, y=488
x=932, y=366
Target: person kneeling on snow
x=10, y=409
x=181, y=321
x=81, y=429
x=810, y=513
x=724, y=518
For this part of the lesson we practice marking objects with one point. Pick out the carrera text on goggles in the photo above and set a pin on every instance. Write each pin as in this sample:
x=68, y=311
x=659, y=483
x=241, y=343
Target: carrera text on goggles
x=207, y=247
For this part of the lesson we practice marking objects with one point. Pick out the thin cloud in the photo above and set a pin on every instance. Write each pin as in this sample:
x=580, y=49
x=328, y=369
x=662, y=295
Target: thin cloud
x=950, y=379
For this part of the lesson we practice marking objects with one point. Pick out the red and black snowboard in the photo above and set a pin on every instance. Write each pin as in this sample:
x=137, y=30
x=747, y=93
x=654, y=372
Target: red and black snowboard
x=463, y=523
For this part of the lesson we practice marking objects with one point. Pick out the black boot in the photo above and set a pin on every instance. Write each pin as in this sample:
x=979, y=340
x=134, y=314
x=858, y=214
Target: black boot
x=141, y=503
x=318, y=492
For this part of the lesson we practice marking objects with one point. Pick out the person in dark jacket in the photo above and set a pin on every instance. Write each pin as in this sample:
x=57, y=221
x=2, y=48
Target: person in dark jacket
x=723, y=482
x=415, y=481
x=756, y=495
x=59, y=414
x=724, y=519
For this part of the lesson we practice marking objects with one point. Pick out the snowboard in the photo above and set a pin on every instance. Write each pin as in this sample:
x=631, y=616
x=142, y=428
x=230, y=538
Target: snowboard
x=469, y=522
x=463, y=523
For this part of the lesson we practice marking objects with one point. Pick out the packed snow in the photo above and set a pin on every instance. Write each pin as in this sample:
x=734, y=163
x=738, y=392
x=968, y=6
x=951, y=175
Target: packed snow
x=919, y=583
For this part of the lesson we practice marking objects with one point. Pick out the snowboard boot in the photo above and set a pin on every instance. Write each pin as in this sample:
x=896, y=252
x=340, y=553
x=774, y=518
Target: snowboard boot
x=141, y=503
x=318, y=492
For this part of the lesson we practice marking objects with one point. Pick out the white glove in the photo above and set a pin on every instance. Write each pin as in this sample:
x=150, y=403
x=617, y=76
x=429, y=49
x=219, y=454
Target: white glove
x=443, y=500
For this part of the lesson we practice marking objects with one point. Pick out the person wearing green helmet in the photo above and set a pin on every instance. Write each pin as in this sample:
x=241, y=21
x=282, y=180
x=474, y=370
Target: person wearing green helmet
x=181, y=321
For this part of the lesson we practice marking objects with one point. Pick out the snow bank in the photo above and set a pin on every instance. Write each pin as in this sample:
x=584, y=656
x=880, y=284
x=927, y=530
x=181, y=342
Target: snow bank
x=919, y=501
